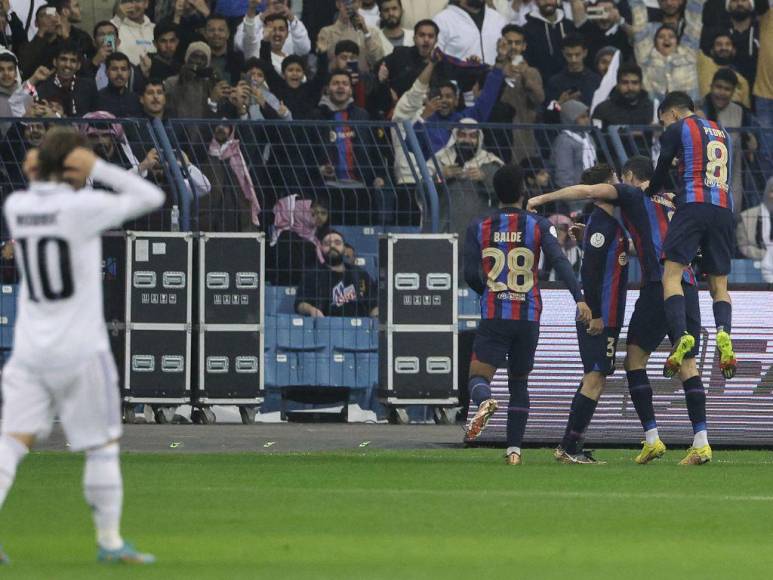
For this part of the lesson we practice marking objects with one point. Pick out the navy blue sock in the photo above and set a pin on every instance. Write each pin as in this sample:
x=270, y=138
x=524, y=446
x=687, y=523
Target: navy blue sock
x=479, y=389
x=675, y=315
x=641, y=395
x=723, y=315
x=696, y=402
x=517, y=412
x=570, y=420
x=582, y=412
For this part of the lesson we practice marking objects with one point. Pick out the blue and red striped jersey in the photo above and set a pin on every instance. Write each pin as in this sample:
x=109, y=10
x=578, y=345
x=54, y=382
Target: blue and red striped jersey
x=502, y=255
x=704, y=151
x=345, y=166
x=646, y=219
x=604, y=270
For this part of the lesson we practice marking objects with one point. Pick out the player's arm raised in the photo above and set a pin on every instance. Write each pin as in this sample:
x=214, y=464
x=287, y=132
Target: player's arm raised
x=472, y=255
x=669, y=146
x=563, y=269
x=574, y=193
x=102, y=211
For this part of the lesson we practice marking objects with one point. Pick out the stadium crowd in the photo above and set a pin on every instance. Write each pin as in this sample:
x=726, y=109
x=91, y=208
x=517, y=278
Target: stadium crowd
x=310, y=68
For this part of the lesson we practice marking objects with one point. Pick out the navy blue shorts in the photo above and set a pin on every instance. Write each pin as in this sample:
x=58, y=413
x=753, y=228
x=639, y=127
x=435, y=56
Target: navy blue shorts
x=703, y=226
x=510, y=343
x=648, y=326
x=598, y=352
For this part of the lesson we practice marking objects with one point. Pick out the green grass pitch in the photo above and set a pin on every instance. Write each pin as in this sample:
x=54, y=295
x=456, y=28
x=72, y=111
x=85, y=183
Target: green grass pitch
x=404, y=514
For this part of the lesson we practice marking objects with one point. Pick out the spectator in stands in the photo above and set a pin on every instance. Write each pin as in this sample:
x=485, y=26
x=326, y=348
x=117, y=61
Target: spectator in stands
x=514, y=11
x=226, y=62
x=628, y=103
x=369, y=12
x=69, y=12
x=294, y=247
x=368, y=91
x=415, y=11
x=109, y=142
x=349, y=163
x=106, y=42
x=470, y=30
x=754, y=232
x=153, y=99
x=321, y=217
x=336, y=288
x=135, y=28
x=545, y=29
x=190, y=17
x=251, y=30
x=299, y=93
x=189, y=92
x=351, y=26
x=391, y=13
x=164, y=63
x=261, y=102
x=745, y=32
x=117, y=98
x=350, y=255
x=722, y=55
x=12, y=33
x=569, y=247
x=718, y=106
x=9, y=82
x=573, y=150
x=405, y=64
x=669, y=12
x=575, y=81
x=603, y=59
x=78, y=95
x=606, y=28
x=233, y=203
x=468, y=171
x=763, y=89
x=41, y=50
x=523, y=92
x=537, y=180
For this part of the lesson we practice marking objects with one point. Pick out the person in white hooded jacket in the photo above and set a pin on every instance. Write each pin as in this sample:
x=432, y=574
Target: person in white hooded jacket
x=135, y=29
x=469, y=28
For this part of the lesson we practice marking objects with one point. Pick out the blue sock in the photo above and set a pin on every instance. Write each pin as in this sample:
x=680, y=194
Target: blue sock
x=479, y=389
x=641, y=396
x=696, y=403
x=723, y=315
x=517, y=412
x=675, y=316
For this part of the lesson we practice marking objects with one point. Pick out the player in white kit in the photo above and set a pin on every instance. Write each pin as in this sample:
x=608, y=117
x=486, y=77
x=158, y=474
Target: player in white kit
x=61, y=363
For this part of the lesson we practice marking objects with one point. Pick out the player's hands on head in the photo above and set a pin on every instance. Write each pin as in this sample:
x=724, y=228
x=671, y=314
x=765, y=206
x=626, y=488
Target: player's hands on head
x=78, y=166
x=583, y=313
x=596, y=326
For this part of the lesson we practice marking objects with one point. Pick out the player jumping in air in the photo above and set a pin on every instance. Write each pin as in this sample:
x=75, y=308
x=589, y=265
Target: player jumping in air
x=604, y=274
x=61, y=363
x=647, y=220
x=501, y=257
x=703, y=219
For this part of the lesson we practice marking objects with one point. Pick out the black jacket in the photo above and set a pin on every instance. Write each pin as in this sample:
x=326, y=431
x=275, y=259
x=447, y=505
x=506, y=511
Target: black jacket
x=81, y=100
x=544, y=44
x=586, y=82
x=596, y=39
x=121, y=104
x=618, y=111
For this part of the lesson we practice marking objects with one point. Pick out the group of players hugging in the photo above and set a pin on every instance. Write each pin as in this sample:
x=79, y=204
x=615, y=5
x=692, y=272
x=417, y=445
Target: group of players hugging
x=502, y=253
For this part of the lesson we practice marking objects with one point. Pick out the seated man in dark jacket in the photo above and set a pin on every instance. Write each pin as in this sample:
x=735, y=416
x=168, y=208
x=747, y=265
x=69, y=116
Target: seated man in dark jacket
x=117, y=98
x=336, y=288
x=628, y=103
x=575, y=81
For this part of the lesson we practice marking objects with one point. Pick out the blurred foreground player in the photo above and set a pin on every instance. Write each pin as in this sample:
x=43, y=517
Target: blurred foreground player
x=604, y=275
x=501, y=256
x=703, y=220
x=61, y=363
x=647, y=220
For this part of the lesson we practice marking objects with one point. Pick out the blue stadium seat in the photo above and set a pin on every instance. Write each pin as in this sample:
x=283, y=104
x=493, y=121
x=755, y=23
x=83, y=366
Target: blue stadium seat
x=363, y=238
x=281, y=369
x=8, y=298
x=746, y=272
x=296, y=333
x=326, y=370
x=469, y=302
x=347, y=334
x=366, y=367
x=280, y=299
x=369, y=263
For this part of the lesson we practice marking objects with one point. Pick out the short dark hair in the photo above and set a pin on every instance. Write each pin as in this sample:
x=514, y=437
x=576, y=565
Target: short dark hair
x=508, y=184
x=331, y=232
x=599, y=173
x=294, y=59
x=346, y=46
x=434, y=89
x=41, y=8
x=255, y=62
x=156, y=82
x=531, y=166
x=572, y=40
x=676, y=100
x=212, y=17
x=102, y=23
x=164, y=28
x=273, y=17
x=339, y=72
x=726, y=75
x=116, y=57
x=66, y=47
x=629, y=68
x=380, y=2
x=426, y=22
x=720, y=34
x=514, y=28
x=640, y=166
x=57, y=144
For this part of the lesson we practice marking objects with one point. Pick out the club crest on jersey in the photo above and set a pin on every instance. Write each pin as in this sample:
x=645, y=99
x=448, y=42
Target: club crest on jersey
x=597, y=240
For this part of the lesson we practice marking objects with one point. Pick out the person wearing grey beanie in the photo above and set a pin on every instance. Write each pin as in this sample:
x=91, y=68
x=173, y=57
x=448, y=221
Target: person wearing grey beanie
x=573, y=149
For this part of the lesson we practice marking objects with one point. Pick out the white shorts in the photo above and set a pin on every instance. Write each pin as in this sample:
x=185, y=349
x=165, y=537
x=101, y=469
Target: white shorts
x=86, y=400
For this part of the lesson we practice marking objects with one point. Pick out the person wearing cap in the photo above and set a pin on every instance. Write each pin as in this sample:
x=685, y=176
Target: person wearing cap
x=192, y=93
x=573, y=149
